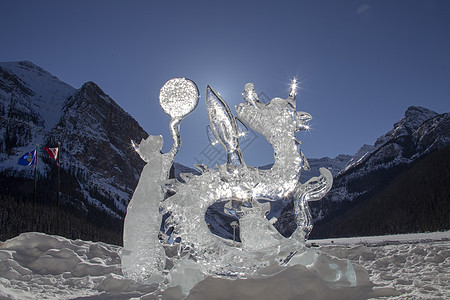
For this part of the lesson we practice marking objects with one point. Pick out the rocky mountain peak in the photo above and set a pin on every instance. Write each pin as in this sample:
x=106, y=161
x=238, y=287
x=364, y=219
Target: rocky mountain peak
x=91, y=88
x=413, y=118
x=90, y=98
x=422, y=136
x=38, y=80
x=9, y=82
x=95, y=133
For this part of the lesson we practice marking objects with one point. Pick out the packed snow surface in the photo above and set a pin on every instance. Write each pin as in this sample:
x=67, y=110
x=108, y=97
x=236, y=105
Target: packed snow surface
x=40, y=266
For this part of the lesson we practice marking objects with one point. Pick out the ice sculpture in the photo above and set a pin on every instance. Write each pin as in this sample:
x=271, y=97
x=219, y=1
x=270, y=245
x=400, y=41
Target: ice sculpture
x=143, y=256
x=163, y=251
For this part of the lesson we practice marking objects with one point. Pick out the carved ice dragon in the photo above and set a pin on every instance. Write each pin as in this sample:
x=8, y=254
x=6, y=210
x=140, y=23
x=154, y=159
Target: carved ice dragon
x=248, y=192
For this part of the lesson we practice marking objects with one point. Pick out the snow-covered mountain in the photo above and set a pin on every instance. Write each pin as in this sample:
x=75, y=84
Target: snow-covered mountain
x=96, y=133
x=421, y=139
x=99, y=168
x=335, y=165
x=31, y=102
x=417, y=134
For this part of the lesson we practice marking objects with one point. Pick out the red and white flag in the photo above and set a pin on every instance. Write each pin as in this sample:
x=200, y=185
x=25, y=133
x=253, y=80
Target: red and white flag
x=52, y=152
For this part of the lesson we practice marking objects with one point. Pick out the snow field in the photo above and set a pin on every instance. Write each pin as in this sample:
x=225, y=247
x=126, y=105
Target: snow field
x=40, y=266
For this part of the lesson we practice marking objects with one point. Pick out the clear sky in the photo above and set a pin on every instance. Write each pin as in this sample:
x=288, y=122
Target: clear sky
x=360, y=64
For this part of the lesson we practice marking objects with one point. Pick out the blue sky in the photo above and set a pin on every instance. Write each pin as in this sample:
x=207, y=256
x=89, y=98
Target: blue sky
x=360, y=64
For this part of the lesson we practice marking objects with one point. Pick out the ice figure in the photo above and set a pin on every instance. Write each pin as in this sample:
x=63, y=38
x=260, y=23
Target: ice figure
x=143, y=255
x=223, y=126
x=188, y=244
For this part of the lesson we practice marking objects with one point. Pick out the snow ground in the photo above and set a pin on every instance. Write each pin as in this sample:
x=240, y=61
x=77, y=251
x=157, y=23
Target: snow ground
x=414, y=266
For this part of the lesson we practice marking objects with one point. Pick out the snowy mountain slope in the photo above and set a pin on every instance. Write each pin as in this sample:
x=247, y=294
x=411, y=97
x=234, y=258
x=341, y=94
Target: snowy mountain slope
x=410, y=139
x=31, y=102
x=96, y=134
x=357, y=157
x=414, y=136
x=335, y=165
x=99, y=168
x=48, y=92
x=35, y=265
x=414, y=117
x=418, y=134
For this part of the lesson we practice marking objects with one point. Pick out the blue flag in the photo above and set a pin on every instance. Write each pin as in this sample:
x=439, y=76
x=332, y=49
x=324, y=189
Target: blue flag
x=28, y=159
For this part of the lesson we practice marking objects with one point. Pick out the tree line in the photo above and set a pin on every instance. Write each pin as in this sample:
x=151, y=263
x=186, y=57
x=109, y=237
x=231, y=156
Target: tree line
x=74, y=217
x=415, y=200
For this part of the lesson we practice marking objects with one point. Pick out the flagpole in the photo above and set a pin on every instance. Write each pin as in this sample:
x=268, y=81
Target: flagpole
x=34, y=190
x=57, y=195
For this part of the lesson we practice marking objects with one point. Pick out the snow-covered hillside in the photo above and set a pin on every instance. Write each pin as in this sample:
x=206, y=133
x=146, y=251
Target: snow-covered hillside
x=420, y=131
x=419, y=141
x=31, y=102
x=40, y=266
x=335, y=165
x=49, y=93
x=97, y=160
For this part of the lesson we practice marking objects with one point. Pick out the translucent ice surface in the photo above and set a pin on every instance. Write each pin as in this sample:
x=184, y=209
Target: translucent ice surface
x=143, y=256
x=185, y=243
x=178, y=97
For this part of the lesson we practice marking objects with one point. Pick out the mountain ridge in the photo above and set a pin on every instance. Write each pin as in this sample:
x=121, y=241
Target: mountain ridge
x=99, y=168
x=419, y=134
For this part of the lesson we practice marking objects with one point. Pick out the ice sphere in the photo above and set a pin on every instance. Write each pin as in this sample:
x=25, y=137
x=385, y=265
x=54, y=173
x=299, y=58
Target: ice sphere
x=179, y=97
